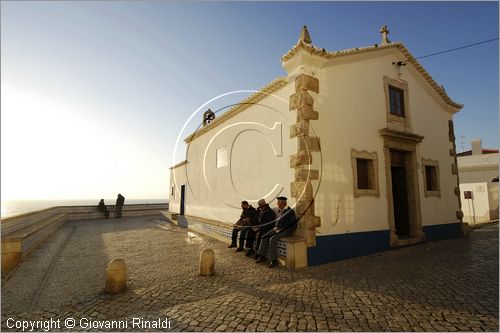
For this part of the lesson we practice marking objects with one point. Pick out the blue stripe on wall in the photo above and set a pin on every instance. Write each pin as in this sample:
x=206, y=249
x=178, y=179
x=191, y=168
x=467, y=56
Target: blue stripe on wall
x=442, y=231
x=343, y=246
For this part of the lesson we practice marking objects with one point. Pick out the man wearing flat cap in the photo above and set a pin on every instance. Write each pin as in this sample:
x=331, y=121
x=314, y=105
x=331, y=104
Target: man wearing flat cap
x=286, y=223
x=265, y=222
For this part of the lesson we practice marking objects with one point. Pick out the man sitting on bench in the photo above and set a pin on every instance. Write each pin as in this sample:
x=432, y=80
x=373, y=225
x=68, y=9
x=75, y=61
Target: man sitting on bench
x=247, y=218
x=265, y=222
x=286, y=223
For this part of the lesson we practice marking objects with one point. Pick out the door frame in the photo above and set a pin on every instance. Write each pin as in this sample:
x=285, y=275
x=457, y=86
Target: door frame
x=405, y=142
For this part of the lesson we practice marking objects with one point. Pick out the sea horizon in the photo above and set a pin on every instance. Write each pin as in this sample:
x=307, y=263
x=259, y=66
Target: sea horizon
x=16, y=207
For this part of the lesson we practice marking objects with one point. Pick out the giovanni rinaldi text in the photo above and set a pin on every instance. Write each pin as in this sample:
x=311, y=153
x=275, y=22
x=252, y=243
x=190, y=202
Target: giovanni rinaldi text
x=49, y=324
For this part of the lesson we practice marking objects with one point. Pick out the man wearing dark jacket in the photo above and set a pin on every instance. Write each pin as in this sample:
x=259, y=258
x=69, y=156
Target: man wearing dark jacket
x=247, y=218
x=286, y=223
x=120, y=200
x=247, y=233
x=265, y=223
x=103, y=209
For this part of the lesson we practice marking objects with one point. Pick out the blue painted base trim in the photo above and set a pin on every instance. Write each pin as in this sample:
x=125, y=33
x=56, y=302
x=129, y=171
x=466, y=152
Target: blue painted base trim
x=443, y=231
x=342, y=246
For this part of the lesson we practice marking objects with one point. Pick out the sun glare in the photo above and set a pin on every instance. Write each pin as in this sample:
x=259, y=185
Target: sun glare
x=49, y=148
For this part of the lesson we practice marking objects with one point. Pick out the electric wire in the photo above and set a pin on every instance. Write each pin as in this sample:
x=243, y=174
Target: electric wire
x=457, y=48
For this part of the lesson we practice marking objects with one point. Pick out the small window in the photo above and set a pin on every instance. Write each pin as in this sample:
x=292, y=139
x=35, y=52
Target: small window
x=431, y=178
x=222, y=157
x=365, y=174
x=430, y=169
x=173, y=192
x=396, y=101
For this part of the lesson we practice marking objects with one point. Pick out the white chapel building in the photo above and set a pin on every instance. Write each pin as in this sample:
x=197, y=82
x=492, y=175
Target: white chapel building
x=361, y=141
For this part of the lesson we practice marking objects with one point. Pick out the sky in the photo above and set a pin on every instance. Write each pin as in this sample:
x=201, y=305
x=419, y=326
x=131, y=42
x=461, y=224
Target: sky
x=95, y=94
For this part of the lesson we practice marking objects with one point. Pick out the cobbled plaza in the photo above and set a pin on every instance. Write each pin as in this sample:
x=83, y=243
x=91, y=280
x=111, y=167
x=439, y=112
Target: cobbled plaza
x=448, y=285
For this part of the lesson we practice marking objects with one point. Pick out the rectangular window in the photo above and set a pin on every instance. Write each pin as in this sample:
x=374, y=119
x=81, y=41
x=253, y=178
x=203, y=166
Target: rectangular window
x=222, y=157
x=365, y=174
x=396, y=101
x=430, y=172
x=173, y=192
x=431, y=178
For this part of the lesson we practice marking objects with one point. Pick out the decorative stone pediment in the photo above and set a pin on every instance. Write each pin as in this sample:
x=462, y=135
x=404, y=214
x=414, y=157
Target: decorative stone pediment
x=387, y=133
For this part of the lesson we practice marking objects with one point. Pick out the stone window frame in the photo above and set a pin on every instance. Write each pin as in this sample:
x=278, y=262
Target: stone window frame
x=401, y=85
x=375, y=192
x=435, y=164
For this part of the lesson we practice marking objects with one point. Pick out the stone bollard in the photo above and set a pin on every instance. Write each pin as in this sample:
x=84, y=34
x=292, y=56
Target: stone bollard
x=116, y=276
x=207, y=262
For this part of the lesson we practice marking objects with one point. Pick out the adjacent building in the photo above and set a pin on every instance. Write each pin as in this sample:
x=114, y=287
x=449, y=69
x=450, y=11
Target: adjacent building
x=478, y=173
x=361, y=141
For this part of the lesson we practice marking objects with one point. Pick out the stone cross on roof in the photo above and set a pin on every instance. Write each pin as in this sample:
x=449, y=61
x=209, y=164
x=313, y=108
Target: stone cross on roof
x=384, y=31
x=304, y=35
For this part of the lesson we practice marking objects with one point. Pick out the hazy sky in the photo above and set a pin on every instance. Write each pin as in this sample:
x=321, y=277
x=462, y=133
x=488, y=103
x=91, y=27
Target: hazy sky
x=94, y=94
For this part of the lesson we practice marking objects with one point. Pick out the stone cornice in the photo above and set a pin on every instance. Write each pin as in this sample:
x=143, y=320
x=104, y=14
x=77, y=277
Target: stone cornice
x=408, y=57
x=243, y=105
x=393, y=134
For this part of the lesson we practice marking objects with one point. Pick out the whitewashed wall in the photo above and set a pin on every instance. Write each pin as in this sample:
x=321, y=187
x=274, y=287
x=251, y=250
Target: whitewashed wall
x=352, y=110
x=483, y=206
x=254, y=169
x=478, y=168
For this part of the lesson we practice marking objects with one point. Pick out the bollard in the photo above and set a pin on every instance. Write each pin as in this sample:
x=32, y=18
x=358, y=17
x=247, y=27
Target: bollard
x=207, y=262
x=116, y=276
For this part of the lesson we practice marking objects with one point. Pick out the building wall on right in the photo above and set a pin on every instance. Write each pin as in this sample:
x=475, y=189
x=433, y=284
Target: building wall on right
x=481, y=203
x=353, y=108
x=478, y=168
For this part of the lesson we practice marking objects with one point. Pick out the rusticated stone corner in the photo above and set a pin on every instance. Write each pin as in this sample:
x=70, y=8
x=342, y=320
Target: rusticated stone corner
x=300, y=159
x=310, y=143
x=300, y=99
x=305, y=173
x=300, y=128
x=304, y=206
x=306, y=82
x=301, y=189
x=307, y=113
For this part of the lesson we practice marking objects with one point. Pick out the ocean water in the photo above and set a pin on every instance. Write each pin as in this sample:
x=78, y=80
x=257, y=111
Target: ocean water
x=16, y=207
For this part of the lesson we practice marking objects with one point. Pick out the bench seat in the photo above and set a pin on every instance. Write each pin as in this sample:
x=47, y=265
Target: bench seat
x=292, y=250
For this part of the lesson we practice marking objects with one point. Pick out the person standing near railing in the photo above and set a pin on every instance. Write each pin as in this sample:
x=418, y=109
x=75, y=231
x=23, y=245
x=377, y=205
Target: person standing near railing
x=120, y=200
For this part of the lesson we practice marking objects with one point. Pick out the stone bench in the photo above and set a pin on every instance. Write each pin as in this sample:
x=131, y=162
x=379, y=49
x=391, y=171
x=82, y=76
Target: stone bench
x=20, y=235
x=292, y=250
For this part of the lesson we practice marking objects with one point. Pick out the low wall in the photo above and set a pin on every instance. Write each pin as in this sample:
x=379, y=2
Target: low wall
x=91, y=213
x=74, y=213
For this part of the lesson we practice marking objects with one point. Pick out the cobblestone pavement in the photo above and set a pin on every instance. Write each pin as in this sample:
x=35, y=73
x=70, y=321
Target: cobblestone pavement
x=438, y=286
